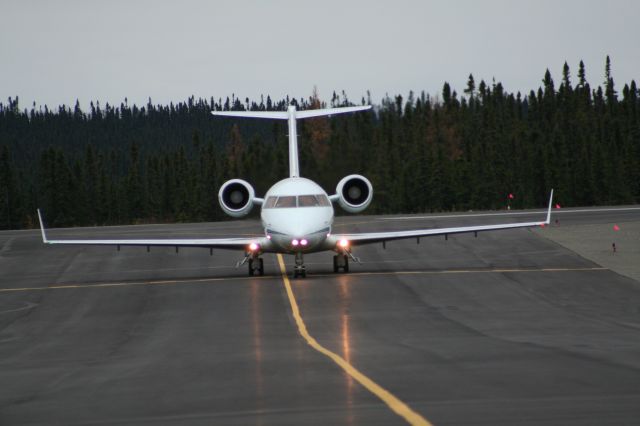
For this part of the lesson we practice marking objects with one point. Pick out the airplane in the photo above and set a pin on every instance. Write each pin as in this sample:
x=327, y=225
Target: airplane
x=297, y=214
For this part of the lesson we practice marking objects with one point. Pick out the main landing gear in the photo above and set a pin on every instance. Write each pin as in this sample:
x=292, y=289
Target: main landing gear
x=256, y=265
x=299, y=270
x=340, y=261
x=255, y=262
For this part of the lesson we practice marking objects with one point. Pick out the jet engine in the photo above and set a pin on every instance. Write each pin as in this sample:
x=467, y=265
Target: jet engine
x=236, y=197
x=354, y=193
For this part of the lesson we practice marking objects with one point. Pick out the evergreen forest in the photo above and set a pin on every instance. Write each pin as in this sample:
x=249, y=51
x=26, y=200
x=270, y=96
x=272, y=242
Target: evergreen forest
x=122, y=164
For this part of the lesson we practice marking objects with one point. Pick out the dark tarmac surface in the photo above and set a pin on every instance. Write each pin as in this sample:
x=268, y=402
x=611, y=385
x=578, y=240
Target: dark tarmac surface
x=508, y=328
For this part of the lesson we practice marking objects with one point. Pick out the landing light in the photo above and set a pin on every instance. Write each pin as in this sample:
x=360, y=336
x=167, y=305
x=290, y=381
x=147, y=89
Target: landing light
x=253, y=246
x=303, y=242
x=343, y=243
x=294, y=242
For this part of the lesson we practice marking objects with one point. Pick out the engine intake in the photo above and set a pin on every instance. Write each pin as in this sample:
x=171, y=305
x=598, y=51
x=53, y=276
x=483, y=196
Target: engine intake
x=236, y=197
x=354, y=193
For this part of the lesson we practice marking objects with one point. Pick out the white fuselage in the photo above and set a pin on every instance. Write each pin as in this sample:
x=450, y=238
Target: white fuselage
x=297, y=209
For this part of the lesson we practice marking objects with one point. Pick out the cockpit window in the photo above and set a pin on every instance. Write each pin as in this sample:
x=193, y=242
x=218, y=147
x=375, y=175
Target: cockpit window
x=323, y=200
x=312, y=200
x=286, y=201
x=307, y=201
x=271, y=201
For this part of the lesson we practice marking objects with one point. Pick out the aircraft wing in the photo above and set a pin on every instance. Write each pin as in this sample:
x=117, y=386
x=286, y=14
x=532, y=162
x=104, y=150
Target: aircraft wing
x=220, y=243
x=375, y=237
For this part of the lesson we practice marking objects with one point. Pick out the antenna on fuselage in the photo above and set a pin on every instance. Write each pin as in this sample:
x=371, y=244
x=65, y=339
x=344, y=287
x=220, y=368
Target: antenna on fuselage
x=291, y=115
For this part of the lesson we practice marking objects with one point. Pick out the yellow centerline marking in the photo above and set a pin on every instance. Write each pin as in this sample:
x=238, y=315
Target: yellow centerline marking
x=399, y=407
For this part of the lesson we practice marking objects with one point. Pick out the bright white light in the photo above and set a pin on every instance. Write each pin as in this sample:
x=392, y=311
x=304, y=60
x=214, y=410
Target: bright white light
x=294, y=242
x=303, y=242
x=253, y=246
x=343, y=243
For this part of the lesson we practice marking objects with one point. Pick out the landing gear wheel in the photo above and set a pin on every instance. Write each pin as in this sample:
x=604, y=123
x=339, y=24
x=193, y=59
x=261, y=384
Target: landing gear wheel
x=256, y=265
x=340, y=261
x=299, y=270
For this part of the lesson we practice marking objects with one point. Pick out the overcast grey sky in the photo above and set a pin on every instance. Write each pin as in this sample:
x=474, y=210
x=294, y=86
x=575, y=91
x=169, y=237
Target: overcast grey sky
x=56, y=51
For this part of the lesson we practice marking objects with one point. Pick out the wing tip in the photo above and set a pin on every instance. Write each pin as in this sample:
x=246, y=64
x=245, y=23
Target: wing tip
x=42, y=231
x=548, y=221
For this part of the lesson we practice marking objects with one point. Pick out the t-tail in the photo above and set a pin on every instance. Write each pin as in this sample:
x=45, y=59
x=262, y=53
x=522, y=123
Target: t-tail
x=291, y=114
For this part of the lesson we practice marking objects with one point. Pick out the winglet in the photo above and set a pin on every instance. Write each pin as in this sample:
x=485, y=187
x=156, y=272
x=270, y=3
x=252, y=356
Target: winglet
x=550, y=206
x=44, y=235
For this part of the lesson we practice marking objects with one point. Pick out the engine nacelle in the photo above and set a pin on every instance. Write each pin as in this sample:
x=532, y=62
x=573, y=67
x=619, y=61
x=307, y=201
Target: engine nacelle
x=236, y=197
x=354, y=193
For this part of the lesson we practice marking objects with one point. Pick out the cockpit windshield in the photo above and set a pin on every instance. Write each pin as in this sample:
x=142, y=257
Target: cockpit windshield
x=270, y=203
x=312, y=200
x=288, y=201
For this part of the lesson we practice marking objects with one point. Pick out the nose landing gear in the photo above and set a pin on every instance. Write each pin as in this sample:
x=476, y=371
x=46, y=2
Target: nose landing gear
x=299, y=270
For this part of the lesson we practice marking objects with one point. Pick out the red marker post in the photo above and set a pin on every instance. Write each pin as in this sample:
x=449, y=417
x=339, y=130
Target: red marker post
x=557, y=220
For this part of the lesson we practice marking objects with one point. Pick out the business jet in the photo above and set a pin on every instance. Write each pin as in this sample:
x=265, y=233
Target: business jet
x=297, y=214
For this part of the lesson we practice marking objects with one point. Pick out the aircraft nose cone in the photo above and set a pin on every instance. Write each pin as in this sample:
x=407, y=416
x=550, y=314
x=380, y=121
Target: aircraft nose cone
x=300, y=231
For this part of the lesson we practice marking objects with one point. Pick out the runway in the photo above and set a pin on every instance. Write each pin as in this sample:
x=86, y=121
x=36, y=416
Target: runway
x=509, y=328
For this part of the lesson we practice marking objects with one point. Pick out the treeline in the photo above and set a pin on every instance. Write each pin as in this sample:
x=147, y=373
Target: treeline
x=129, y=164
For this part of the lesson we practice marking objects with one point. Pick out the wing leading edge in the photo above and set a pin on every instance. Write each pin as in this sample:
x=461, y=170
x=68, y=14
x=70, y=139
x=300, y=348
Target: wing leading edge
x=221, y=243
x=375, y=237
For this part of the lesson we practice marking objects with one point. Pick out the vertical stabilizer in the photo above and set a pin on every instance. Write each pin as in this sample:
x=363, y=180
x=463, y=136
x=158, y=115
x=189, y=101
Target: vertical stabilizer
x=294, y=165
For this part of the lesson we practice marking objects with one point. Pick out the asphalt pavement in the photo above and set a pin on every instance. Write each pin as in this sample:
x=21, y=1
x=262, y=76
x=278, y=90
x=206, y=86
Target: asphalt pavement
x=509, y=328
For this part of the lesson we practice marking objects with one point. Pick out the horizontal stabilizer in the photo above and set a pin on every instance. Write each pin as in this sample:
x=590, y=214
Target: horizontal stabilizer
x=329, y=111
x=291, y=113
x=279, y=115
